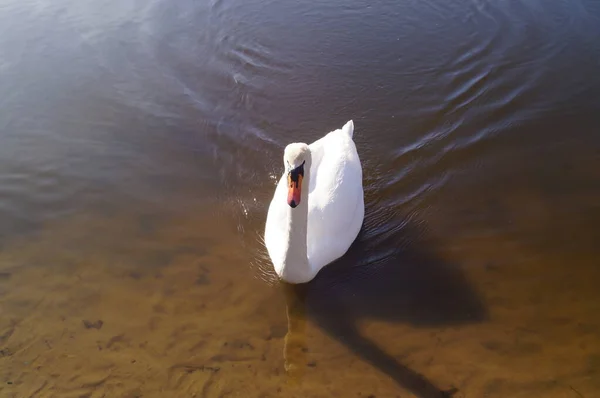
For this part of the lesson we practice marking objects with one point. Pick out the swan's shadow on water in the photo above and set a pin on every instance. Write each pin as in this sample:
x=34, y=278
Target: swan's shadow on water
x=390, y=278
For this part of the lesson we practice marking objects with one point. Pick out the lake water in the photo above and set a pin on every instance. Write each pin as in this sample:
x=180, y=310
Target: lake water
x=140, y=144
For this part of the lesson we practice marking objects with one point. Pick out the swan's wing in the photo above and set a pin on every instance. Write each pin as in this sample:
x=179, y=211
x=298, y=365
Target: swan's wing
x=331, y=145
x=336, y=206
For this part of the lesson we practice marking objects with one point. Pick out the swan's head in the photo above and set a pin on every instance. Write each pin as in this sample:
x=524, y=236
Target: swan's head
x=296, y=158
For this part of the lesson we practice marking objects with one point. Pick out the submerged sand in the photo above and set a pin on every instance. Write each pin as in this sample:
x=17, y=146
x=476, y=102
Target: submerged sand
x=99, y=306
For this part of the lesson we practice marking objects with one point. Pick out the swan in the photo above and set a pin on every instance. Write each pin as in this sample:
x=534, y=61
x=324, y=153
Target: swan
x=318, y=208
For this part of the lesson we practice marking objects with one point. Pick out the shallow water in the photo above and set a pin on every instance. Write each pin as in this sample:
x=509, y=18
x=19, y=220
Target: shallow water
x=140, y=144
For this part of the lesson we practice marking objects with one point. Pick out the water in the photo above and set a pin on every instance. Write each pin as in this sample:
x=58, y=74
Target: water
x=140, y=143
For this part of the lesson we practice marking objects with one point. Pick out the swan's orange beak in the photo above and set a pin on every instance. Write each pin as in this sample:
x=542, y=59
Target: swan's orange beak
x=294, y=189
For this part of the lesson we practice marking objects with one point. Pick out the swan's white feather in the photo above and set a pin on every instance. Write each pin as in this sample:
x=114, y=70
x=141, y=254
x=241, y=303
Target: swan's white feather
x=335, y=203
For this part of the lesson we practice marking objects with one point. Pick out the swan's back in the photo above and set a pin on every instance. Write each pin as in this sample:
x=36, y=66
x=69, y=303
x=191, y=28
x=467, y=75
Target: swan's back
x=336, y=204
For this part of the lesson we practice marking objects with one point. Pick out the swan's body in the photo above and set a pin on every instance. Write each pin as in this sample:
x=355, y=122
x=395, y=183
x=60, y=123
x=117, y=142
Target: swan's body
x=313, y=219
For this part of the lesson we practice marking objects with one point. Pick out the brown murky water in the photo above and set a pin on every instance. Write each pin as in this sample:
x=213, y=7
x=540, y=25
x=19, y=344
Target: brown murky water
x=139, y=147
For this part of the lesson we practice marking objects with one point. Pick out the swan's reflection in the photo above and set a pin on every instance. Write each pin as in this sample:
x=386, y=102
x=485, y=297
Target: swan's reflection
x=295, y=348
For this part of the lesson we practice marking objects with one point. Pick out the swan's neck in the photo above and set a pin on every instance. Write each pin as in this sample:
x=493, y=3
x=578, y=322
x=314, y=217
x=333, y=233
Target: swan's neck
x=296, y=268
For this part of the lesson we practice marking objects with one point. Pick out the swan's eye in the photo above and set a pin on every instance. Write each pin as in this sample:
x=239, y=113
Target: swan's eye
x=296, y=175
x=299, y=168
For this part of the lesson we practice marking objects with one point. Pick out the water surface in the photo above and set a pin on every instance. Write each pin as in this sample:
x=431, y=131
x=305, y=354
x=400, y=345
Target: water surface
x=140, y=144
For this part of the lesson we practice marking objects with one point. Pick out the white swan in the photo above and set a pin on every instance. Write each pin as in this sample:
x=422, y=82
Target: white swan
x=318, y=206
